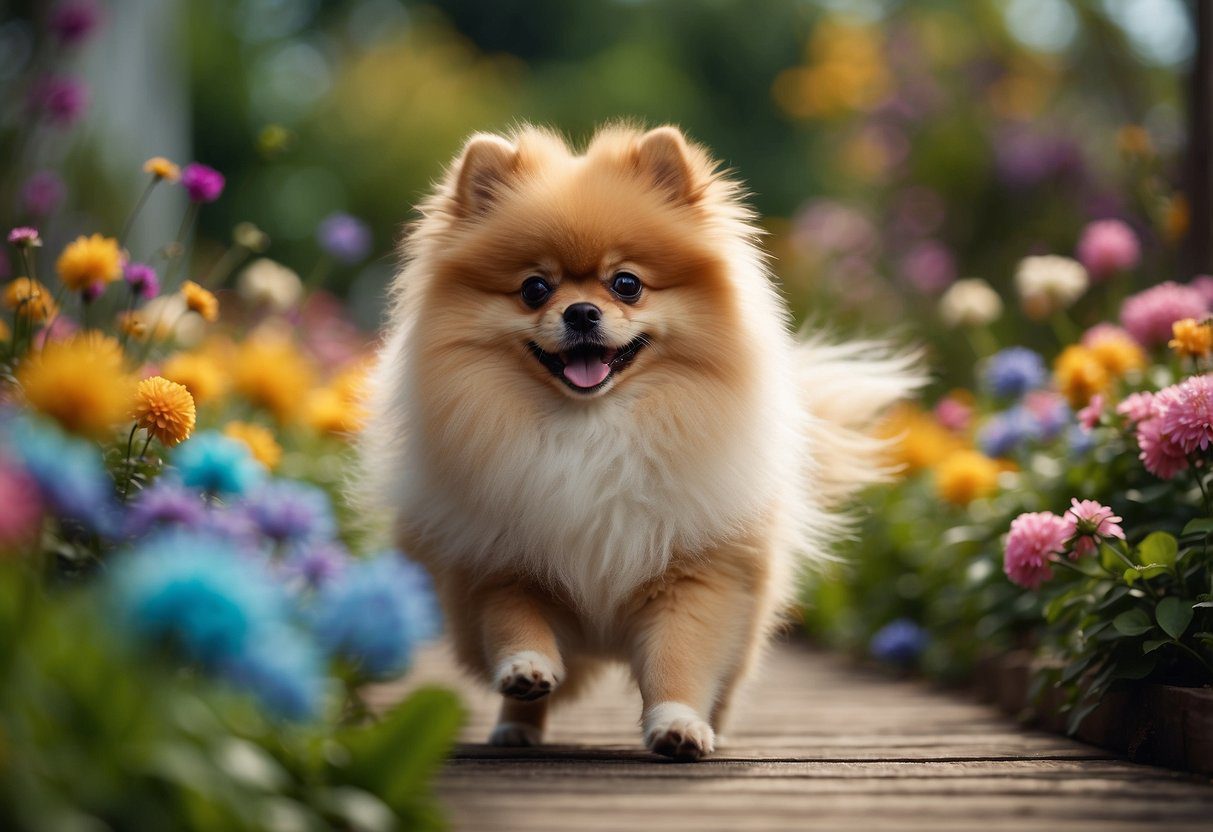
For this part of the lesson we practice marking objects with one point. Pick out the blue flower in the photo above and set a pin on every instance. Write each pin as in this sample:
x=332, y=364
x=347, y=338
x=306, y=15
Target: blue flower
x=376, y=613
x=69, y=472
x=1079, y=441
x=195, y=593
x=217, y=464
x=164, y=504
x=1014, y=371
x=284, y=671
x=345, y=238
x=317, y=565
x=1006, y=431
x=291, y=512
x=899, y=642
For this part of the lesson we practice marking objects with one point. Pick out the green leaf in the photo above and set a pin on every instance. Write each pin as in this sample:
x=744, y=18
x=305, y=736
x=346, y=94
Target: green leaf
x=1152, y=644
x=1138, y=667
x=1201, y=525
x=1174, y=615
x=1132, y=623
x=1132, y=575
x=1153, y=570
x=1159, y=547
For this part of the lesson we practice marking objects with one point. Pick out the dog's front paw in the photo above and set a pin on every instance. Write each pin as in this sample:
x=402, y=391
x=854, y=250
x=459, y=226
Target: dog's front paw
x=515, y=735
x=673, y=729
x=527, y=676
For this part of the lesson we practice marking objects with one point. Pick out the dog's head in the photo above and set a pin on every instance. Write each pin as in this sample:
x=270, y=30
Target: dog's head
x=582, y=273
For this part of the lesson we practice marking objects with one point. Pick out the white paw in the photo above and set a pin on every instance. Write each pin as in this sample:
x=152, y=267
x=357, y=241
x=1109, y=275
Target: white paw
x=527, y=676
x=515, y=735
x=673, y=729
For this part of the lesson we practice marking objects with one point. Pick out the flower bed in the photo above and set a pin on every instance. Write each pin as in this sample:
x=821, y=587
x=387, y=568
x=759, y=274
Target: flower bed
x=1061, y=507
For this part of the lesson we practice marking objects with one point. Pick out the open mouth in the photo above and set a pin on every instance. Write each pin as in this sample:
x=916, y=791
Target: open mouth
x=587, y=367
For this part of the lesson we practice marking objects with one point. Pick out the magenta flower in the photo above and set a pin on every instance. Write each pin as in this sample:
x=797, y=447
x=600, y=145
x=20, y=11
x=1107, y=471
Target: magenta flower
x=954, y=414
x=1088, y=417
x=1185, y=412
x=929, y=267
x=142, y=279
x=92, y=291
x=72, y=21
x=1092, y=522
x=1107, y=247
x=1034, y=540
x=1162, y=456
x=42, y=193
x=1148, y=315
x=1137, y=407
x=24, y=237
x=22, y=515
x=203, y=183
x=61, y=99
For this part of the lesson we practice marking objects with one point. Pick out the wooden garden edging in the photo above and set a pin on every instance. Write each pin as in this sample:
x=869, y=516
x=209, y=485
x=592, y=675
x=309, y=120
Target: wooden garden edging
x=1149, y=723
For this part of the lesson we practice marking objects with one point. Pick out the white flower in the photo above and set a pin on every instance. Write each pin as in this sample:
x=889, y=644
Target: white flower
x=970, y=302
x=265, y=282
x=1049, y=283
x=167, y=316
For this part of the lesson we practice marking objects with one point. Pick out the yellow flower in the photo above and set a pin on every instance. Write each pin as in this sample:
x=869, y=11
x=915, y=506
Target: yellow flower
x=271, y=373
x=338, y=409
x=200, y=300
x=81, y=382
x=1192, y=338
x=162, y=168
x=90, y=260
x=966, y=476
x=30, y=299
x=1118, y=353
x=1080, y=375
x=131, y=324
x=199, y=372
x=259, y=440
x=165, y=409
x=916, y=440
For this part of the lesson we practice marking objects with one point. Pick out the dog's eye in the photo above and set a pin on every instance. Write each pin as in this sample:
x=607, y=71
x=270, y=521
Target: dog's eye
x=627, y=286
x=535, y=291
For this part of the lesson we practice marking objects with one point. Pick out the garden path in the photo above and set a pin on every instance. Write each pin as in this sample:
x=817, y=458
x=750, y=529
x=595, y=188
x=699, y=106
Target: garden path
x=816, y=744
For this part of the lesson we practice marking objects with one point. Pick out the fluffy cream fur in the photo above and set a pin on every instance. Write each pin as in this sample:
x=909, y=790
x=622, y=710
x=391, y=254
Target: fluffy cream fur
x=662, y=515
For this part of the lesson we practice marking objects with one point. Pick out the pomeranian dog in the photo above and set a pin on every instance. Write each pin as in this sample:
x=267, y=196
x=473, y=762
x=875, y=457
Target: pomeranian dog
x=592, y=424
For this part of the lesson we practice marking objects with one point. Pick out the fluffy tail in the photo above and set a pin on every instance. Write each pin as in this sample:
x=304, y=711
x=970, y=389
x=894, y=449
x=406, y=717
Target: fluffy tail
x=844, y=388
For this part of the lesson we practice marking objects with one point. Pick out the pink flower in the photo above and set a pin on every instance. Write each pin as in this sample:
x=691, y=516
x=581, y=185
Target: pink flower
x=1088, y=417
x=1185, y=412
x=142, y=279
x=73, y=20
x=1035, y=539
x=929, y=267
x=1092, y=522
x=1203, y=283
x=1137, y=407
x=22, y=513
x=42, y=193
x=1107, y=247
x=24, y=237
x=953, y=414
x=1148, y=315
x=1162, y=457
x=1105, y=331
x=61, y=99
x=205, y=184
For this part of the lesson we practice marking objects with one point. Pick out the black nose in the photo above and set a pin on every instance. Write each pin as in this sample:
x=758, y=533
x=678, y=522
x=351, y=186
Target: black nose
x=582, y=317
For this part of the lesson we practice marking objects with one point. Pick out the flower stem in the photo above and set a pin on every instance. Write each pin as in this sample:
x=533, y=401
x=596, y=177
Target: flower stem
x=130, y=475
x=130, y=220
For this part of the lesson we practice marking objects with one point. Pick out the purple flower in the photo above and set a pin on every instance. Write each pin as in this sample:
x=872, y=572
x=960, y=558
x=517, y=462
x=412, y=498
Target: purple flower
x=142, y=280
x=233, y=524
x=61, y=99
x=345, y=238
x=291, y=512
x=24, y=237
x=42, y=193
x=73, y=20
x=165, y=504
x=899, y=642
x=202, y=183
x=1026, y=159
x=929, y=267
x=92, y=291
x=316, y=565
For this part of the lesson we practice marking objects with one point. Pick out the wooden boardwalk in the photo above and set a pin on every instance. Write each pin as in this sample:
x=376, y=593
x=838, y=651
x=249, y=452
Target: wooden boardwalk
x=816, y=744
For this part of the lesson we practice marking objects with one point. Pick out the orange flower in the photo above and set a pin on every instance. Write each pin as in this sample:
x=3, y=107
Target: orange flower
x=1080, y=374
x=81, y=382
x=90, y=260
x=200, y=300
x=162, y=168
x=164, y=409
x=259, y=440
x=30, y=299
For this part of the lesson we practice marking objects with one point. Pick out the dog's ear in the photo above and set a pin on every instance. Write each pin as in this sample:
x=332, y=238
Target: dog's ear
x=663, y=156
x=486, y=164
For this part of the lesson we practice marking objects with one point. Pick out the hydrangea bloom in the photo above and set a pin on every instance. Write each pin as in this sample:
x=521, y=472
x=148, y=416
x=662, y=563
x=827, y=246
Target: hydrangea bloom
x=1148, y=315
x=1107, y=247
x=1185, y=413
x=376, y=613
x=1014, y=371
x=165, y=503
x=194, y=593
x=899, y=642
x=291, y=512
x=1092, y=522
x=233, y=524
x=202, y=182
x=1034, y=540
x=69, y=472
x=317, y=565
x=1006, y=431
x=345, y=238
x=217, y=464
x=283, y=670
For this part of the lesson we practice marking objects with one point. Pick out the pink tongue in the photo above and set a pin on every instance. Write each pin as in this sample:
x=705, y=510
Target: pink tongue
x=586, y=371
